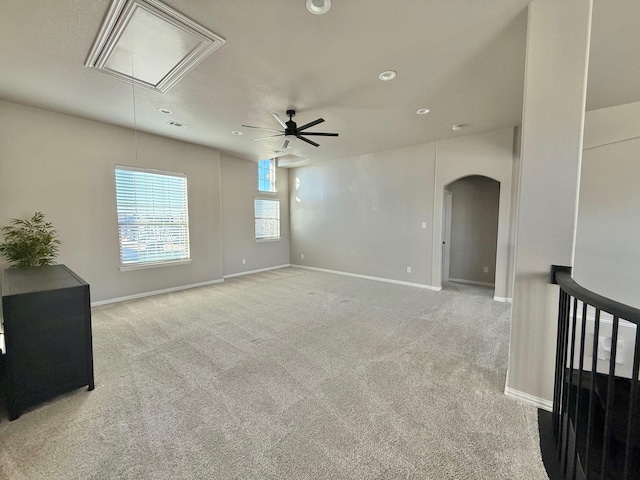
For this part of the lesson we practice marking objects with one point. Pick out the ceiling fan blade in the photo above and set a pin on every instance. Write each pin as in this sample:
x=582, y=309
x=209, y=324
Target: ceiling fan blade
x=266, y=138
x=311, y=124
x=320, y=134
x=285, y=144
x=263, y=128
x=308, y=141
x=279, y=119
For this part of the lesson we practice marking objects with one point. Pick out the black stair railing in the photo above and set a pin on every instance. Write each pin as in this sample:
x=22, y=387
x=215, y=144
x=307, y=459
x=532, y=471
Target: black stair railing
x=596, y=413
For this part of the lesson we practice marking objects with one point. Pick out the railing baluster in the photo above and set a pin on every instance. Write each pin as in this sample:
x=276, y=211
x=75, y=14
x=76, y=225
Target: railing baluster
x=632, y=405
x=557, y=388
x=570, y=384
x=610, y=396
x=563, y=375
x=576, y=424
x=594, y=373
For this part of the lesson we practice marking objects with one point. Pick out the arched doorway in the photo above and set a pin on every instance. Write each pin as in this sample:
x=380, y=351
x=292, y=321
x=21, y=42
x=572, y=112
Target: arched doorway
x=470, y=230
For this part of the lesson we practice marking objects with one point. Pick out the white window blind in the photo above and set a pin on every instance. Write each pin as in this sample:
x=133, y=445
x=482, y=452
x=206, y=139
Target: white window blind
x=267, y=175
x=267, y=213
x=153, y=219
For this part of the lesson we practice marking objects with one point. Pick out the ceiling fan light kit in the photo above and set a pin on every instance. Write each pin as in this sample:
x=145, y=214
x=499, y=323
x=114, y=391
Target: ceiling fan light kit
x=291, y=131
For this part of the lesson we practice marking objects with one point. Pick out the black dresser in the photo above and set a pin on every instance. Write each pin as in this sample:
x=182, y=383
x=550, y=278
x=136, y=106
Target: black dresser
x=47, y=328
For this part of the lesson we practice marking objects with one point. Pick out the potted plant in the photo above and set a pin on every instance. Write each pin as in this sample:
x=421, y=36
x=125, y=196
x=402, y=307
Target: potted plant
x=30, y=243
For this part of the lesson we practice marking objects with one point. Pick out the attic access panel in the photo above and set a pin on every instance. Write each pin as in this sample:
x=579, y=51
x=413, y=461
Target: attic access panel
x=149, y=44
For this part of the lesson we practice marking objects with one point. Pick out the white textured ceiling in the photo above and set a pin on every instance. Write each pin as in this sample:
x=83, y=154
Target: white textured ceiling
x=463, y=59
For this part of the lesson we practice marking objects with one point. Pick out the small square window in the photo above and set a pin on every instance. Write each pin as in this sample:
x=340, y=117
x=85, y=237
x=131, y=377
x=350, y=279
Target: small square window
x=267, y=175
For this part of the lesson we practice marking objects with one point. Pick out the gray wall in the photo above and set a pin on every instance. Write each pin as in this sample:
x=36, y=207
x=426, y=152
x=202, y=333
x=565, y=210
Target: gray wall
x=474, y=229
x=515, y=177
x=239, y=189
x=489, y=154
x=607, y=252
x=64, y=166
x=364, y=215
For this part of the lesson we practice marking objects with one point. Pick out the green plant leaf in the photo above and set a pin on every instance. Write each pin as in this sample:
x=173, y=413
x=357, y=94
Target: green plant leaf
x=30, y=242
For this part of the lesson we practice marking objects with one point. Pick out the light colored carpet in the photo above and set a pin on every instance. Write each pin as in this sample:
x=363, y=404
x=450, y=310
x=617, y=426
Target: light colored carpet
x=289, y=374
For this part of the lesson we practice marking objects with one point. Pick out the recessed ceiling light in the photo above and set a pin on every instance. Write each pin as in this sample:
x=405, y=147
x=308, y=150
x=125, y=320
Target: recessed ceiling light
x=236, y=132
x=457, y=127
x=387, y=75
x=423, y=111
x=318, y=7
x=166, y=111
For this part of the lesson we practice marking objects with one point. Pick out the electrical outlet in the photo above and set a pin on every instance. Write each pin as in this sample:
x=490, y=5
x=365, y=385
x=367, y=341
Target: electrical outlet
x=244, y=261
x=302, y=256
x=424, y=224
x=408, y=269
x=486, y=269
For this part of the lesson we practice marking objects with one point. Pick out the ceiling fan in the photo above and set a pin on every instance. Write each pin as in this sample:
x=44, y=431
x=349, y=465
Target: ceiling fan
x=291, y=130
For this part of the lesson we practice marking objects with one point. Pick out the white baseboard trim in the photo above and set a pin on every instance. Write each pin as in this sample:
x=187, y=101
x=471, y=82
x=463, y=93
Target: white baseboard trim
x=249, y=272
x=503, y=299
x=155, y=292
x=368, y=277
x=528, y=399
x=471, y=282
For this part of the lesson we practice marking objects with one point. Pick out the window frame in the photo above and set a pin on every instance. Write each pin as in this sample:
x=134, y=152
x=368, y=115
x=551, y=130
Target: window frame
x=256, y=218
x=272, y=171
x=184, y=206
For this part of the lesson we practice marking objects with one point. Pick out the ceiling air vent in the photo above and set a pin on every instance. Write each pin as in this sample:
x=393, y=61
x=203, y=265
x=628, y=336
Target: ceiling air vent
x=177, y=124
x=149, y=44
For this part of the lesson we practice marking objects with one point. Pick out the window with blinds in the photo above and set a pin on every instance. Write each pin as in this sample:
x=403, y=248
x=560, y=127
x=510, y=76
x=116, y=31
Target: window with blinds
x=267, y=213
x=153, y=219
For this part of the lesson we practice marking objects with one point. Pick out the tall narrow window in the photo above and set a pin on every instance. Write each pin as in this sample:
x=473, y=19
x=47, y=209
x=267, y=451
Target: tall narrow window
x=267, y=214
x=153, y=218
x=267, y=175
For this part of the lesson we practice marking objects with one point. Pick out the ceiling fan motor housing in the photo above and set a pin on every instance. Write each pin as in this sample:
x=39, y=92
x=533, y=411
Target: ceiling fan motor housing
x=291, y=128
x=291, y=125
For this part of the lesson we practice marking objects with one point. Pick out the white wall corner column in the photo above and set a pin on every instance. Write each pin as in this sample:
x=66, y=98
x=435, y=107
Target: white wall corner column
x=557, y=53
